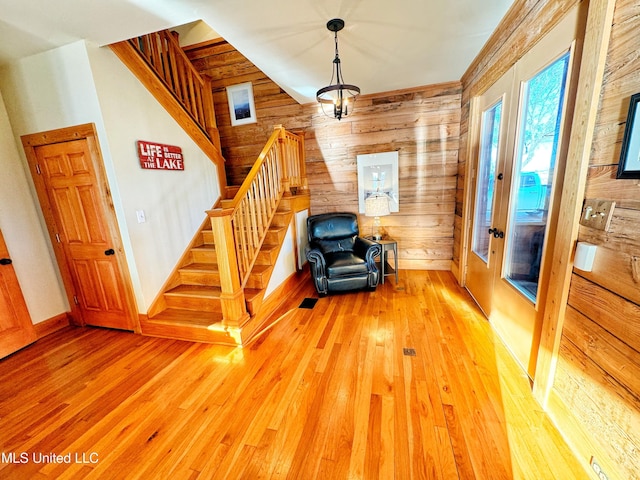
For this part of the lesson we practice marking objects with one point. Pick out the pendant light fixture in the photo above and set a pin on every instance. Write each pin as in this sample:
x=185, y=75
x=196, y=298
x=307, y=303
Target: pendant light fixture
x=338, y=94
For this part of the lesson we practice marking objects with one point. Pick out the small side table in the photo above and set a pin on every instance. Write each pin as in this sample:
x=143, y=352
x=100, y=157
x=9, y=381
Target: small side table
x=388, y=244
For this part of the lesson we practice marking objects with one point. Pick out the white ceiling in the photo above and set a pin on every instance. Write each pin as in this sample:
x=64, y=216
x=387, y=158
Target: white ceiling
x=385, y=45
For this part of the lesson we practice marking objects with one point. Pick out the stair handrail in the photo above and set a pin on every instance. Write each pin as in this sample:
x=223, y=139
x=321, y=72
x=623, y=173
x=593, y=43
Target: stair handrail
x=162, y=52
x=240, y=225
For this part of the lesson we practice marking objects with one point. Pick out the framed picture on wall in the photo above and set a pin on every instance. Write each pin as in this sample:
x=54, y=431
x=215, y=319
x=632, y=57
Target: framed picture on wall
x=629, y=166
x=378, y=175
x=241, y=106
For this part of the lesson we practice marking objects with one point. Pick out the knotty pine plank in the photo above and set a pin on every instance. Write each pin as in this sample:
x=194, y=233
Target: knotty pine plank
x=326, y=393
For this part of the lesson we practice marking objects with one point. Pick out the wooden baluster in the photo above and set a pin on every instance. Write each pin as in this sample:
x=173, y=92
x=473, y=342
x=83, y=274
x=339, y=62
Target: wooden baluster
x=241, y=238
x=254, y=217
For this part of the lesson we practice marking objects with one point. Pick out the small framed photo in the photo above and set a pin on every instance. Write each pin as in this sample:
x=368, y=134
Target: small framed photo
x=629, y=166
x=241, y=106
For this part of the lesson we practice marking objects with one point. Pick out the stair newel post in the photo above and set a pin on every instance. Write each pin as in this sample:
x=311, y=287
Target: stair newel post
x=301, y=162
x=234, y=308
x=285, y=180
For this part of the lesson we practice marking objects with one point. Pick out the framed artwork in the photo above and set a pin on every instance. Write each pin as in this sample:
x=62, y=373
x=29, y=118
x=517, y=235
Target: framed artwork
x=241, y=106
x=629, y=166
x=378, y=174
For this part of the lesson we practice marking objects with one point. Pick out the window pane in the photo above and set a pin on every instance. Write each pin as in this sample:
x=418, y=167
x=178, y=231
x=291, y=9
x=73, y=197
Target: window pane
x=486, y=180
x=543, y=98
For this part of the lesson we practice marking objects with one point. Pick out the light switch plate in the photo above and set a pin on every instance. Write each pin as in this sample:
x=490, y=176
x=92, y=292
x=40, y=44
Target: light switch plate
x=141, y=216
x=597, y=214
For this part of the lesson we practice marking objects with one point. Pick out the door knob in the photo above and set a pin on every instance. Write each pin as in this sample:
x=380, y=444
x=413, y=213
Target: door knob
x=5, y=261
x=111, y=251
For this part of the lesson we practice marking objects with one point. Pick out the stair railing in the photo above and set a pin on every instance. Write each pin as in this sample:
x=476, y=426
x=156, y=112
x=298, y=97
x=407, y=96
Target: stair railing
x=162, y=52
x=240, y=225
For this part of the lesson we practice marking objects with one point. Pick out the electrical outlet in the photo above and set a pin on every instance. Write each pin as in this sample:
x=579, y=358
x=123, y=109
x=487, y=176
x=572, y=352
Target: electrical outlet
x=596, y=468
x=141, y=216
x=597, y=214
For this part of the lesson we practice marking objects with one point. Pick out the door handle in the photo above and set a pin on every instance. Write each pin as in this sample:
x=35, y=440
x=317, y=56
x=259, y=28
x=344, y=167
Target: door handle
x=496, y=233
x=5, y=261
x=111, y=251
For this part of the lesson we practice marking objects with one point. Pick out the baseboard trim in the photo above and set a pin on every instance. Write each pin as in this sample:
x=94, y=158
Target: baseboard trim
x=52, y=325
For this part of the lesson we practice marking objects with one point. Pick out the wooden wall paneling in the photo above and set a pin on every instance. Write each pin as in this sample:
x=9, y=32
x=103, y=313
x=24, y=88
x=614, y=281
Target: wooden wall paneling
x=601, y=180
x=621, y=82
x=610, y=415
x=601, y=377
x=422, y=124
x=611, y=312
x=603, y=304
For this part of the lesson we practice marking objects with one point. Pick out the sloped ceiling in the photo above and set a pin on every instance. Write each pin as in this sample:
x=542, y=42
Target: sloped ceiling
x=384, y=46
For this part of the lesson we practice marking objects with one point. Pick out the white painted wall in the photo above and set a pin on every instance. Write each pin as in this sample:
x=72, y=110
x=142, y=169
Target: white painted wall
x=26, y=237
x=79, y=84
x=174, y=202
x=293, y=246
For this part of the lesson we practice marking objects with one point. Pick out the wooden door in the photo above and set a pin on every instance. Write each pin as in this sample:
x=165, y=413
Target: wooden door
x=72, y=189
x=492, y=176
x=512, y=286
x=16, y=329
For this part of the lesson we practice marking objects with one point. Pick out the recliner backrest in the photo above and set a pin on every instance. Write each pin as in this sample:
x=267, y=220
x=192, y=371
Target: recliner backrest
x=333, y=232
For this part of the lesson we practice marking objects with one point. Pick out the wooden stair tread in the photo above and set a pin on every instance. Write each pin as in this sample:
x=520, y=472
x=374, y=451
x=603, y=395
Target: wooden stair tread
x=260, y=269
x=201, y=291
x=200, y=267
x=251, y=293
x=206, y=247
x=194, y=318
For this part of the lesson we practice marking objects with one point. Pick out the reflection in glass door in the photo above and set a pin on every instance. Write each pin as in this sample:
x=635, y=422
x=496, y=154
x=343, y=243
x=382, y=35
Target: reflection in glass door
x=485, y=188
x=534, y=166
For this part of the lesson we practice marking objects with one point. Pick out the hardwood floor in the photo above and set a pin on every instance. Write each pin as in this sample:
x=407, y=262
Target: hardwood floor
x=328, y=393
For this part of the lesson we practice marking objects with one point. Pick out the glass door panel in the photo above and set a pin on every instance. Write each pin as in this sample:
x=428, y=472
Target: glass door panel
x=485, y=187
x=534, y=166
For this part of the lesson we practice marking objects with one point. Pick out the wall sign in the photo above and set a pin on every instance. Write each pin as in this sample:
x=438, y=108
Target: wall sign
x=156, y=156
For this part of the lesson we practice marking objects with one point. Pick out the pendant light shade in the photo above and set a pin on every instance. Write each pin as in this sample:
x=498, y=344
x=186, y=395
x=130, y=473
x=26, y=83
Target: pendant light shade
x=339, y=94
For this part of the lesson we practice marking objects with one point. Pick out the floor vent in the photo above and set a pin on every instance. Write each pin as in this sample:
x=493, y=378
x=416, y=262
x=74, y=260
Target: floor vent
x=409, y=352
x=308, y=303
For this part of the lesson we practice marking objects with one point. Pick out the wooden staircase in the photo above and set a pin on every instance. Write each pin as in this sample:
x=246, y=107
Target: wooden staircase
x=190, y=307
x=216, y=291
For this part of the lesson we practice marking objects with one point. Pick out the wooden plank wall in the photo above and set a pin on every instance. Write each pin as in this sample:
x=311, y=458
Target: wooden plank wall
x=598, y=374
x=241, y=145
x=422, y=124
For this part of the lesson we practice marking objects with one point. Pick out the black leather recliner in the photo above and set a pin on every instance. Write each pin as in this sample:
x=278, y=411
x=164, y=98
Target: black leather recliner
x=340, y=260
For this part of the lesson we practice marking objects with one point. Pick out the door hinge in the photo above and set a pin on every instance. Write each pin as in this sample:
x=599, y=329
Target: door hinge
x=38, y=169
x=58, y=237
x=75, y=300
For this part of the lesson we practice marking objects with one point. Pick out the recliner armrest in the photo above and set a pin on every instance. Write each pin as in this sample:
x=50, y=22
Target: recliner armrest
x=315, y=256
x=367, y=249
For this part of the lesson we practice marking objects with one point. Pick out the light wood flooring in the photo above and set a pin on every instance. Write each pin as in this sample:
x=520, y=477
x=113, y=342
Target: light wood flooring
x=328, y=393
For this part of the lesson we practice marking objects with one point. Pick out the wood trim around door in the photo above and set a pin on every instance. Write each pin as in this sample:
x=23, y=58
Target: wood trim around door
x=593, y=61
x=88, y=133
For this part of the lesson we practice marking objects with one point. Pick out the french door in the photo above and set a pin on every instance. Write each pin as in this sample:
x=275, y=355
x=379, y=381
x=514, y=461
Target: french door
x=523, y=129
